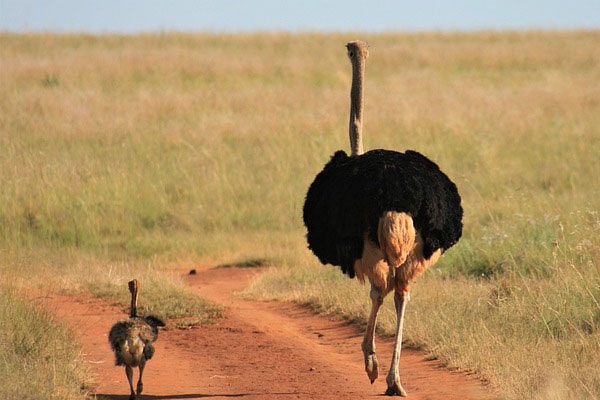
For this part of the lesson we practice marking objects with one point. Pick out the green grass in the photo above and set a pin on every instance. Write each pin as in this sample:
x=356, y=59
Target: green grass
x=137, y=156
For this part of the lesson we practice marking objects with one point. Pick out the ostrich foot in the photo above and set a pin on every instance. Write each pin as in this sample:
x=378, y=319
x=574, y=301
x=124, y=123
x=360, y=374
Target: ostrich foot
x=372, y=367
x=395, y=389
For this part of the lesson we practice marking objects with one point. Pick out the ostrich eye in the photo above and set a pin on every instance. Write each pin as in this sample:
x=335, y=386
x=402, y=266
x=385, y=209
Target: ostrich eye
x=350, y=53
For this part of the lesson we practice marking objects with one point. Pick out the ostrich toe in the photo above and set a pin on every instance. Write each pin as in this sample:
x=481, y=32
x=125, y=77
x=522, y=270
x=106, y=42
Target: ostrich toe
x=395, y=389
x=372, y=367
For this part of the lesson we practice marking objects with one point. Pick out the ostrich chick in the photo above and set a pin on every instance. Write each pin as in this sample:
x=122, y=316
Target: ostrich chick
x=131, y=340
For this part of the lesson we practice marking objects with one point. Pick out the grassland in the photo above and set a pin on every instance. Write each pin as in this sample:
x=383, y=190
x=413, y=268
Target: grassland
x=136, y=155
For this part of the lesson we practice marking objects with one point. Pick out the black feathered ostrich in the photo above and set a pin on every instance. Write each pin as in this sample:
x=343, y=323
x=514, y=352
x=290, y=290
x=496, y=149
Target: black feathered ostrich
x=383, y=215
x=131, y=340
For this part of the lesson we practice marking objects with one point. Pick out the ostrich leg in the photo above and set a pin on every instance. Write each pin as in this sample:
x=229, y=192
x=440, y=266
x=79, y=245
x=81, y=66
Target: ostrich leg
x=393, y=378
x=129, y=373
x=368, y=344
x=140, y=385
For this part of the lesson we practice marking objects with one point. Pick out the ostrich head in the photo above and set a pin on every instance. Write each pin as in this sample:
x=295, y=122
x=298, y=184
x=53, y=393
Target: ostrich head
x=358, y=52
x=357, y=49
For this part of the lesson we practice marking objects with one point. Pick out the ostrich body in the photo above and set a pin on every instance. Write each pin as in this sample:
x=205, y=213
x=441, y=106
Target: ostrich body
x=131, y=340
x=384, y=216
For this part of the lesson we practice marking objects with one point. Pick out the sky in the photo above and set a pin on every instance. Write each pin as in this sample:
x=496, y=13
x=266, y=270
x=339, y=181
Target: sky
x=134, y=16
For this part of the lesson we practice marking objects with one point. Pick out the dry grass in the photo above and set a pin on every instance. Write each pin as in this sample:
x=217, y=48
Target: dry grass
x=128, y=155
x=40, y=357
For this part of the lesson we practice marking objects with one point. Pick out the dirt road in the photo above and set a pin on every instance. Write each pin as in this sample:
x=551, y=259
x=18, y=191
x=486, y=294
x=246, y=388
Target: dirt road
x=257, y=351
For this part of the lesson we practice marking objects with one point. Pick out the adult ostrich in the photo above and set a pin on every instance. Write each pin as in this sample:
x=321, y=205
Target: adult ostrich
x=383, y=215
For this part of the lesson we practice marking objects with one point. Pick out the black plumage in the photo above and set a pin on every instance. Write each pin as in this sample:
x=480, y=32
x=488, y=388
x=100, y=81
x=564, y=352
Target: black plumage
x=348, y=197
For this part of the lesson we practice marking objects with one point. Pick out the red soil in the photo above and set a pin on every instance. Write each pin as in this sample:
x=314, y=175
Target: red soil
x=257, y=351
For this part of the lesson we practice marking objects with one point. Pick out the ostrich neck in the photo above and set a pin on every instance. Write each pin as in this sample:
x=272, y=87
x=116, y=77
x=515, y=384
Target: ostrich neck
x=133, y=311
x=356, y=107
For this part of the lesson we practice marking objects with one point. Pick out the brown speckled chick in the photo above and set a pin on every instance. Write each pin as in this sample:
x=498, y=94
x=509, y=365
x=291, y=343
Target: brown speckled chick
x=131, y=340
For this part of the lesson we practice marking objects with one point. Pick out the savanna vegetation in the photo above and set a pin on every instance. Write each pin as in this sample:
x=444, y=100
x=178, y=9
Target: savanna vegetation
x=144, y=155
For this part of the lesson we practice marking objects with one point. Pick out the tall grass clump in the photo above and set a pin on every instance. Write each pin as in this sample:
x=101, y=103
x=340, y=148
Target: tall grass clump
x=40, y=358
x=139, y=155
